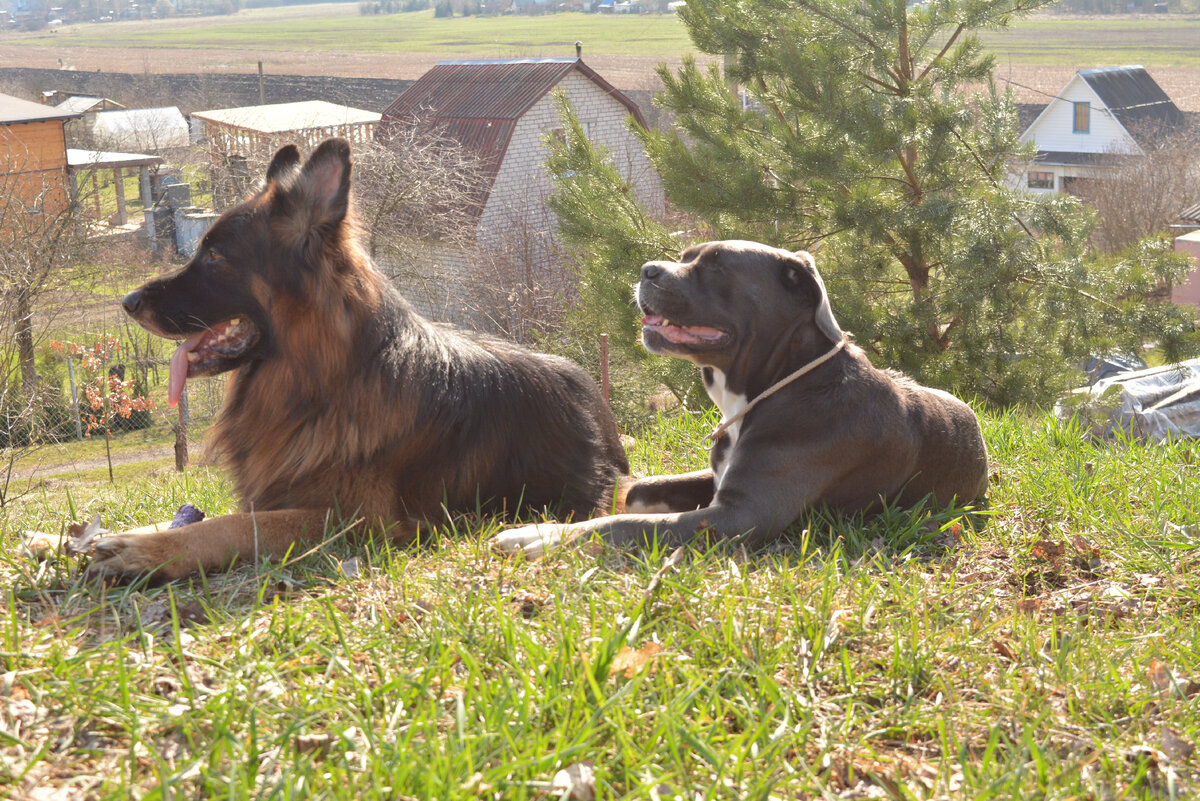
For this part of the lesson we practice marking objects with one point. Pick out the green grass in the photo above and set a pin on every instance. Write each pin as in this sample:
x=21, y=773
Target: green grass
x=100, y=198
x=412, y=32
x=1167, y=40
x=1034, y=649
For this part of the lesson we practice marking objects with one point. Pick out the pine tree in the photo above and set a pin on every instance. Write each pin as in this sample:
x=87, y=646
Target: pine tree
x=871, y=132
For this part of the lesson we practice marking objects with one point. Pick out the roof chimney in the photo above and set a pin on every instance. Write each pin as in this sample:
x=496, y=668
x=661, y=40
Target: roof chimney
x=579, y=50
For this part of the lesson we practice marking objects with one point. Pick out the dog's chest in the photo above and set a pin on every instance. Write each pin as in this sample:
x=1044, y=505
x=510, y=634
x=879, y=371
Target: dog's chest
x=731, y=404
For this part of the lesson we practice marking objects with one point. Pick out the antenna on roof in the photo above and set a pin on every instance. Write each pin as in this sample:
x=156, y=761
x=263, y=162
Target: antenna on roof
x=579, y=50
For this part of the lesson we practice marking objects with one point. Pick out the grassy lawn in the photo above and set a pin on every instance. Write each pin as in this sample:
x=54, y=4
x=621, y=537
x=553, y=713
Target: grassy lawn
x=1045, y=647
x=1157, y=41
x=412, y=32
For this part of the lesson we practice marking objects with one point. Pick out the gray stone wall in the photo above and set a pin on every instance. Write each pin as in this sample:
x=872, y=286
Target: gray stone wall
x=201, y=91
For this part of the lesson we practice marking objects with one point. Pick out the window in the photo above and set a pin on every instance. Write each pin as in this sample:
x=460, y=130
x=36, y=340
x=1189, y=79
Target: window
x=1041, y=180
x=1083, y=121
x=559, y=134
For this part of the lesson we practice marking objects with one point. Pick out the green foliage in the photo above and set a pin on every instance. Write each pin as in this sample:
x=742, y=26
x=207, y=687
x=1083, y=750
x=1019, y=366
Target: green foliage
x=1047, y=647
x=611, y=236
x=855, y=133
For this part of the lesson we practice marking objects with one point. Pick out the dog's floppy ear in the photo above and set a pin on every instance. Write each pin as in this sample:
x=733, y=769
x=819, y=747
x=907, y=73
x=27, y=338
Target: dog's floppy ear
x=286, y=160
x=824, y=316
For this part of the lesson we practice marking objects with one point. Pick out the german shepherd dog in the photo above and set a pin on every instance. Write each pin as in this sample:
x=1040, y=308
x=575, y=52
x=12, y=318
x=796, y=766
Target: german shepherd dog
x=342, y=399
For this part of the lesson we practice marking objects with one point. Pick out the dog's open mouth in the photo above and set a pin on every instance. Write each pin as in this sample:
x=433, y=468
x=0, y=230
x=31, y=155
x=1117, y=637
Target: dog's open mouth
x=209, y=352
x=681, y=334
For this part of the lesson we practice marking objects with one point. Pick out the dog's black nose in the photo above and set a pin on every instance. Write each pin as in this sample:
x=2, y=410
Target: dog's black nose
x=651, y=270
x=132, y=302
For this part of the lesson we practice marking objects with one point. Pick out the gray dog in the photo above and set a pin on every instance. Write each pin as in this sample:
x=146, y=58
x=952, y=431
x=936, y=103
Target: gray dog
x=806, y=419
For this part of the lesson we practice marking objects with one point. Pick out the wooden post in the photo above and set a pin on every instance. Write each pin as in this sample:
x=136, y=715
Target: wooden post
x=144, y=186
x=262, y=94
x=180, y=429
x=604, y=366
x=119, y=182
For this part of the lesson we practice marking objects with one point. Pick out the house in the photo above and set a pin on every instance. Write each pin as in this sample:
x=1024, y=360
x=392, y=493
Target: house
x=1188, y=244
x=240, y=137
x=1188, y=292
x=504, y=113
x=136, y=130
x=79, y=130
x=85, y=104
x=1113, y=110
x=33, y=158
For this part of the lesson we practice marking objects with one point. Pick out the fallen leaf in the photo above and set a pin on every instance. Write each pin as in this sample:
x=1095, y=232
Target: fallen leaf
x=349, y=568
x=529, y=603
x=1001, y=647
x=1174, y=746
x=1047, y=550
x=951, y=537
x=1160, y=677
x=1084, y=547
x=576, y=782
x=631, y=662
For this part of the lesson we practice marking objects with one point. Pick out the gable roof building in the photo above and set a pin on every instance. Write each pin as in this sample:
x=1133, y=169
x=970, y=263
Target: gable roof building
x=503, y=112
x=480, y=103
x=139, y=130
x=85, y=104
x=33, y=158
x=245, y=135
x=1099, y=112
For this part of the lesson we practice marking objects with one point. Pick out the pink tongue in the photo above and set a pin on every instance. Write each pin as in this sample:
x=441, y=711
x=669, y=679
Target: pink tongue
x=179, y=368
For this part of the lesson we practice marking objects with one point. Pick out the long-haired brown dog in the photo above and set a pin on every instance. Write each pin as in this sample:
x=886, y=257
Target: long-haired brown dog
x=343, y=399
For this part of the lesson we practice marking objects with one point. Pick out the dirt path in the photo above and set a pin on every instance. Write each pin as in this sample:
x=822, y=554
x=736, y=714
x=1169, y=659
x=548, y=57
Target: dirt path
x=50, y=463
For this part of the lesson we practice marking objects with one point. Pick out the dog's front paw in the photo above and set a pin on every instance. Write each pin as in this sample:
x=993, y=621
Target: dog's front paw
x=123, y=557
x=534, y=540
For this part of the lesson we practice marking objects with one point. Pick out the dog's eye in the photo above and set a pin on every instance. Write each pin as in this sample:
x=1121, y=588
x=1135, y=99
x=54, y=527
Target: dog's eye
x=212, y=254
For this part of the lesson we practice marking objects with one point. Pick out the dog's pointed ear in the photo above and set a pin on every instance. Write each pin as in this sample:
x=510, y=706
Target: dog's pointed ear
x=806, y=268
x=325, y=181
x=285, y=163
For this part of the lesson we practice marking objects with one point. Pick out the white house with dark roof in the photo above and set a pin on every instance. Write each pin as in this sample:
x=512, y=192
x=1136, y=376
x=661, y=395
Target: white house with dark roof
x=1099, y=112
x=503, y=111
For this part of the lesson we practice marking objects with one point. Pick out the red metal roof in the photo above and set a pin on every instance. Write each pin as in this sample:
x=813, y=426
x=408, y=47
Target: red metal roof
x=478, y=102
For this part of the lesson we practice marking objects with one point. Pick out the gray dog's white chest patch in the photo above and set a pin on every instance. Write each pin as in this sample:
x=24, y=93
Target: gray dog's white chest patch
x=730, y=403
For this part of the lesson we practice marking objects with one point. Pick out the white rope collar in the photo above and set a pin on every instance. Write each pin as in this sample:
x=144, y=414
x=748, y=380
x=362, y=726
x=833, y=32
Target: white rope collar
x=721, y=429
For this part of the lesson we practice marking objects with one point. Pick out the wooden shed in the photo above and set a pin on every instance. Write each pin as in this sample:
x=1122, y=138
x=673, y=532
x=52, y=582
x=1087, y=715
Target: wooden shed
x=238, y=138
x=33, y=156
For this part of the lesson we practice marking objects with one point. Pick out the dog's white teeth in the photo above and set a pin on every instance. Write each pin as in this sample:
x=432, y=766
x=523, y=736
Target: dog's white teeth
x=235, y=322
x=193, y=356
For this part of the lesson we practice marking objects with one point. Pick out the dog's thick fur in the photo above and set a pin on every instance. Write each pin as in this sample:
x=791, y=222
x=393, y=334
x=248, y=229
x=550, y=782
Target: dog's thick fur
x=343, y=399
x=845, y=435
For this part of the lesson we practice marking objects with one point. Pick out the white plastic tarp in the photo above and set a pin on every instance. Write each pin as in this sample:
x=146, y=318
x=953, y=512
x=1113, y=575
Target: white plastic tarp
x=1156, y=403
